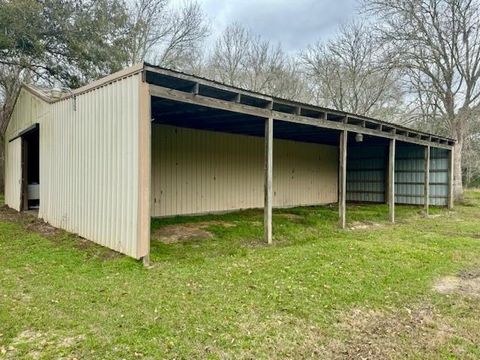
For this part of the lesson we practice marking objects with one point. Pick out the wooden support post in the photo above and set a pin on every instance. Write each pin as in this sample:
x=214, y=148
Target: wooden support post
x=450, y=178
x=391, y=181
x=426, y=180
x=195, y=89
x=268, y=180
x=342, y=179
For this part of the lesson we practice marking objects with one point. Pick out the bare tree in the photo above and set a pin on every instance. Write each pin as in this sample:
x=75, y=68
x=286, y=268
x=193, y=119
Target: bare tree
x=228, y=58
x=164, y=35
x=471, y=159
x=351, y=73
x=248, y=61
x=438, y=43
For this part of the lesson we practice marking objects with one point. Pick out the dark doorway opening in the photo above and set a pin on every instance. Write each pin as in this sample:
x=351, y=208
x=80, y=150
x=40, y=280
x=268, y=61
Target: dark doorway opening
x=31, y=169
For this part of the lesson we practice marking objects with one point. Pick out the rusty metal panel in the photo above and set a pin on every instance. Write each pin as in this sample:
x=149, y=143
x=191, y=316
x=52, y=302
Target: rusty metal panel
x=196, y=171
x=366, y=171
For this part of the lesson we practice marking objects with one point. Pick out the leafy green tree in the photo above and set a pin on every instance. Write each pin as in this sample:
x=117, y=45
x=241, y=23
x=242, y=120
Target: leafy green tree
x=66, y=40
x=71, y=41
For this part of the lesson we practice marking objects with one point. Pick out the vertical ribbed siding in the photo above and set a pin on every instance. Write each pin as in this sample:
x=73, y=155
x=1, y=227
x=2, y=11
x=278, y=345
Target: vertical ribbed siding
x=197, y=171
x=410, y=175
x=439, y=176
x=13, y=173
x=28, y=111
x=366, y=171
x=89, y=165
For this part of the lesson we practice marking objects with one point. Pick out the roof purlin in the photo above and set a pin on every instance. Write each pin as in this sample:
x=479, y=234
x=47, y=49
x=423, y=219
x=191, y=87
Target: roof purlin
x=377, y=127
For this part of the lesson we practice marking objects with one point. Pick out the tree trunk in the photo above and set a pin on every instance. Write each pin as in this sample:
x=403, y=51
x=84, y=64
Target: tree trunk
x=2, y=166
x=457, y=170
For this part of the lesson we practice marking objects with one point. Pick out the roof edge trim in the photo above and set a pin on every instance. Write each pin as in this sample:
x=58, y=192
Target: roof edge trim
x=104, y=81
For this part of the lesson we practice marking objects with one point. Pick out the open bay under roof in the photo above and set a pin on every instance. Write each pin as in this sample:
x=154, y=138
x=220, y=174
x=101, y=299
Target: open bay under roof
x=190, y=101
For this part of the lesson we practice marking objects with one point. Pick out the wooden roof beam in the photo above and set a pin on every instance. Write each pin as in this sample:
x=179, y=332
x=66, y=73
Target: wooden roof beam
x=278, y=115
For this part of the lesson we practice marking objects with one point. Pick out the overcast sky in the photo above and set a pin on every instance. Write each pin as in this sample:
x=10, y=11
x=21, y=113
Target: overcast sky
x=294, y=23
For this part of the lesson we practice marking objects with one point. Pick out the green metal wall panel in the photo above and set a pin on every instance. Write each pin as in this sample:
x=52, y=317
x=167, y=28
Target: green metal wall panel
x=366, y=170
x=439, y=176
x=410, y=174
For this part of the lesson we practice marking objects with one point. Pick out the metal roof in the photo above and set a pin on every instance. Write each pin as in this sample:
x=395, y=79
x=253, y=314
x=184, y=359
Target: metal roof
x=192, y=89
x=182, y=82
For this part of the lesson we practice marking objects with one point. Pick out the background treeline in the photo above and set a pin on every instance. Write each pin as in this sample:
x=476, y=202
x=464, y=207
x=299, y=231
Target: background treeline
x=415, y=62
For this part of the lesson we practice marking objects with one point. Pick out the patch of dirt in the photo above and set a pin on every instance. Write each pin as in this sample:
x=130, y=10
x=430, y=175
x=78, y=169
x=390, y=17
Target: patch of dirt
x=7, y=214
x=171, y=234
x=380, y=335
x=361, y=225
x=280, y=335
x=31, y=344
x=361, y=334
x=467, y=283
x=31, y=223
x=40, y=227
x=289, y=216
x=469, y=274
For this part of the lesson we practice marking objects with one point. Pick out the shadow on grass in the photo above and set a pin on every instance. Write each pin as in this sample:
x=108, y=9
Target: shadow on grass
x=238, y=232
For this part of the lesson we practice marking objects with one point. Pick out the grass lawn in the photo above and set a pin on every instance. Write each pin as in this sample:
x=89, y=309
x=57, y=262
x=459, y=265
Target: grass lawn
x=411, y=290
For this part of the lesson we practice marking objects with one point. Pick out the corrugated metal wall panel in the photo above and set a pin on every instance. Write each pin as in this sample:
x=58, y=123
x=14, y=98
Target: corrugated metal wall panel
x=197, y=171
x=366, y=174
x=28, y=110
x=366, y=169
x=13, y=173
x=410, y=174
x=439, y=176
x=89, y=165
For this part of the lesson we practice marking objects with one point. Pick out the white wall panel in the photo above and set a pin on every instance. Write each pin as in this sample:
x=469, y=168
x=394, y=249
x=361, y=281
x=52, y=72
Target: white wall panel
x=13, y=173
x=196, y=171
x=89, y=165
x=28, y=110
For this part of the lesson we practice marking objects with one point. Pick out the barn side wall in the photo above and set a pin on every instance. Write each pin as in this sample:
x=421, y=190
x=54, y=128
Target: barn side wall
x=28, y=110
x=410, y=174
x=195, y=171
x=366, y=173
x=89, y=165
x=13, y=174
x=89, y=162
x=439, y=176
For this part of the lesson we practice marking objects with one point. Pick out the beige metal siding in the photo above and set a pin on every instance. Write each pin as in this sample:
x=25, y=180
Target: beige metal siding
x=13, y=173
x=89, y=165
x=28, y=110
x=200, y=171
